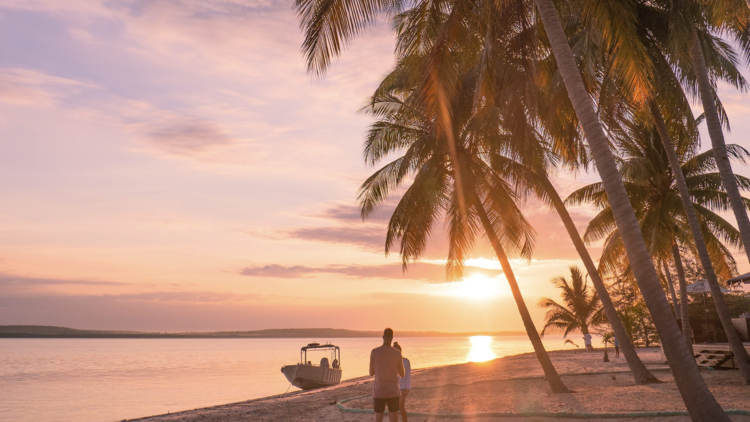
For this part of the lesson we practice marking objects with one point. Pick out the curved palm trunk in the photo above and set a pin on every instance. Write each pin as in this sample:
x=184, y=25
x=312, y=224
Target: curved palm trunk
x=687, y=331
x=553, y=378
x=670, y=284
x=700, y=403
x=718, y=145
x=640, y=373
x=743, y=359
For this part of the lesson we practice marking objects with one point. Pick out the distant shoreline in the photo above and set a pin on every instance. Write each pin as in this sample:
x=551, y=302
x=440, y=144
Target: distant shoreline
x=42, y=331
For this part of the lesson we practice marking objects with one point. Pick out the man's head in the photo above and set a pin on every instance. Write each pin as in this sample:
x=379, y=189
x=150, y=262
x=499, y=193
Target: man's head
x=387, y=336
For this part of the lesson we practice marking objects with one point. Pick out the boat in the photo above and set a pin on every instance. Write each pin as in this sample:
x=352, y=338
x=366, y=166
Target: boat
x=306, y=375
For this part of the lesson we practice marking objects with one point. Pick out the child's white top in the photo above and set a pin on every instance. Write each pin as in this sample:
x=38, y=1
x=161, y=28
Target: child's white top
x=405, y=382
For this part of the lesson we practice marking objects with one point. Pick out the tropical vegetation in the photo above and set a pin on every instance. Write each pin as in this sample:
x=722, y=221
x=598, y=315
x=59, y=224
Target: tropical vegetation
x=580, y=310
x=488, y=98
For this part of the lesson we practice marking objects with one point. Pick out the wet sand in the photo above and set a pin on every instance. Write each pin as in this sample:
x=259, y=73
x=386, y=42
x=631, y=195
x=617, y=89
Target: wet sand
x=510, y=385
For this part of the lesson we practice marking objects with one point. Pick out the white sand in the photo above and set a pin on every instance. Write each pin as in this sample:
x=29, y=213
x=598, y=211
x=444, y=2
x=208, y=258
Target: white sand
x=511, y=384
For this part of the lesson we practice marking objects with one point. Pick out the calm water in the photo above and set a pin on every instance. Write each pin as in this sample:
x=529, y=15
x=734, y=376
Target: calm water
x=113, y=379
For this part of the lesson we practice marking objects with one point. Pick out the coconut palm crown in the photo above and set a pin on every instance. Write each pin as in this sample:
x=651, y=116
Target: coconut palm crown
x=580, y=309
x=653, y=194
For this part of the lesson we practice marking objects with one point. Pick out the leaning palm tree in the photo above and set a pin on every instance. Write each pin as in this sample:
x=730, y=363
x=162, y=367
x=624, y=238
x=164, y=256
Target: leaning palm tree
x=700, y=22
x=431, y=27
x=489, y=205
x=701, y=404
x=722, y=63
x=536, y=115
x=651, y=184
x=331, y=24
x=580, y=310
x=542, y=129
x=701, y=246
x=671, y=71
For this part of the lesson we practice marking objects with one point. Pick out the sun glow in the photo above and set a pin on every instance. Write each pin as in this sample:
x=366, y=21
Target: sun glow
x=481, y=350
x=478, y=286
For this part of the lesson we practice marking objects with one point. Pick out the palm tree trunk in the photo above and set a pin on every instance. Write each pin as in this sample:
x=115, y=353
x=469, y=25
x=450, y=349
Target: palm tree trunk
x=645, y=327
x=640, y=373
x=743, y=359
x=700, y=403
x=717, y=143
x=553, y=378
x=676, y=304
x=687, y=331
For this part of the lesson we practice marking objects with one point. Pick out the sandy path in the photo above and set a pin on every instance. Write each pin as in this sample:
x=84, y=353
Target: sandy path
x=510, y=384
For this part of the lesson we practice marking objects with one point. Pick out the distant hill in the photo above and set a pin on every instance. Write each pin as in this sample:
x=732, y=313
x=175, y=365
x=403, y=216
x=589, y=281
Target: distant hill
x=45, y=331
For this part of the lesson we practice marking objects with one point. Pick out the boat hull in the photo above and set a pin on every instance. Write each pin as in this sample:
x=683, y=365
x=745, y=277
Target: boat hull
x=308, y=377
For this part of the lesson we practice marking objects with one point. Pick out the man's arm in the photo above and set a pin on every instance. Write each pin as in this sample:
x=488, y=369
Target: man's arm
x=401, y=370
x=372, y=366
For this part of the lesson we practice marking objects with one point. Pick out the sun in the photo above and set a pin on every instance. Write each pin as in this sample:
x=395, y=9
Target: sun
x=481, y=349
x=478, y=286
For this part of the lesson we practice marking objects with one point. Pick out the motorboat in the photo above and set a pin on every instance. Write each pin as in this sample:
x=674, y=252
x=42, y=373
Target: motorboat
x=306, y=375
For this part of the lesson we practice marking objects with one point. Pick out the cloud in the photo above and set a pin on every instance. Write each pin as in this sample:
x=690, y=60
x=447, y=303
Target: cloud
x=7, y=280
x=29, y=87
x=434, y=273
x=400, y=296
x=346, y=212
x=192, y=297
x=189, y=137
x=368, y=235
x=368, y=238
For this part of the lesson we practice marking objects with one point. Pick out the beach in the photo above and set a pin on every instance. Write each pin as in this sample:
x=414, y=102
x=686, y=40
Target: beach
x=507, y=389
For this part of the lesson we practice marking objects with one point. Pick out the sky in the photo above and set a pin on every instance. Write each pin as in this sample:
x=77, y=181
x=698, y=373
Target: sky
x=171, y=166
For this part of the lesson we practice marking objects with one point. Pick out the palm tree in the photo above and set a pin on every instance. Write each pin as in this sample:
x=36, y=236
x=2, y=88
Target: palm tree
x=671, y=103
x=504, y=77
x=539, y=116
x=330, y=24
x=670, y=288
x=723, y=64
x=535, y=117
x=640, y=373
x=651, y=185
x=735, y=342
x=709, y=100
x=699, y=401
x=580, y=310
x=489, y=203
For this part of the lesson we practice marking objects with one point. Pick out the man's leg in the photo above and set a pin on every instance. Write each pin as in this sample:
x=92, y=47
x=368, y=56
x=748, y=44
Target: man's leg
x=393, y=408
x=379, y=405
x=393, y=416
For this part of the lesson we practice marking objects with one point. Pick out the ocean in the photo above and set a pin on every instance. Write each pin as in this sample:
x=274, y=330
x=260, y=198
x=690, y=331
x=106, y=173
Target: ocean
x=86, y=380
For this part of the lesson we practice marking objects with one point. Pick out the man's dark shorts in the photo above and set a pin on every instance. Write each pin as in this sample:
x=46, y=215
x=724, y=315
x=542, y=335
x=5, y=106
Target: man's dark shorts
x=391, y=402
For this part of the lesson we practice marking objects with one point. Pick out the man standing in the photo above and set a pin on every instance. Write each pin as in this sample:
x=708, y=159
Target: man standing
x=386, y=364
x=617, y=348
x=587, y=342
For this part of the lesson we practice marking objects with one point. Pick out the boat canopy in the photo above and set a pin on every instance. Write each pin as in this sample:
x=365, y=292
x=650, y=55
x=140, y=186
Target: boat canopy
x=336, y=353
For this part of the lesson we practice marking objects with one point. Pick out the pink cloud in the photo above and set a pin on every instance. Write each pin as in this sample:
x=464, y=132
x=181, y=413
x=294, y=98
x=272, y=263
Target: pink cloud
x=189, y=137
x=34, y=88
x=434, y=273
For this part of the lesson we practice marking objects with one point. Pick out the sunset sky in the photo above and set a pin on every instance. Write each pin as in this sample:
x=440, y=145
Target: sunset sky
x=170, y=166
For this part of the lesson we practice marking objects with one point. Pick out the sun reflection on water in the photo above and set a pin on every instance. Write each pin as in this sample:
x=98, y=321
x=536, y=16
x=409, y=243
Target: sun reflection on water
x=480, y=349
